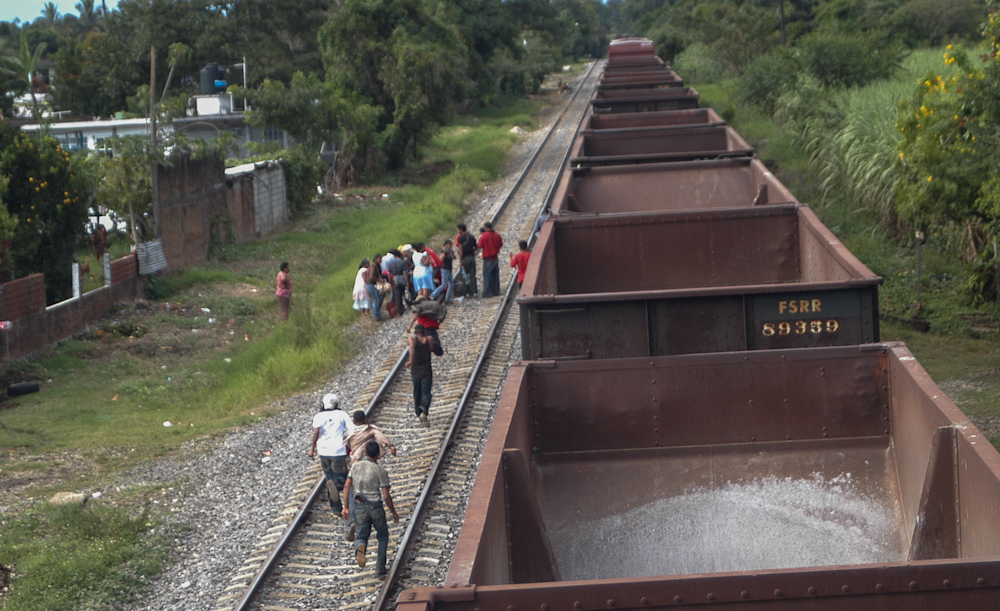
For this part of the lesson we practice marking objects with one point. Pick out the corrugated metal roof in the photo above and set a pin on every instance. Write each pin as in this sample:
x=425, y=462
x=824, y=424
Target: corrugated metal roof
x=151, y=258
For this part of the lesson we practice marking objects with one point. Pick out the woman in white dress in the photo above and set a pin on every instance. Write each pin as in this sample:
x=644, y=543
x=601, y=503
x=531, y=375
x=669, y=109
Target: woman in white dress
x=362, y=301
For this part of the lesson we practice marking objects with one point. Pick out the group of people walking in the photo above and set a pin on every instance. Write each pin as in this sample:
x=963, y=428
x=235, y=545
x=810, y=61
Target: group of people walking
x=358, y=492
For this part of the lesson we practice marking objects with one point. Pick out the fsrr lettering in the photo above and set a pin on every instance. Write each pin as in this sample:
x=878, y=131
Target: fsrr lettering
x=800, y=306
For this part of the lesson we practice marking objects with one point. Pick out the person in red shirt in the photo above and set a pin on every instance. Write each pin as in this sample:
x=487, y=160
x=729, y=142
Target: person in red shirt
x=520, y=261
x=490, y=242
x=426, y=312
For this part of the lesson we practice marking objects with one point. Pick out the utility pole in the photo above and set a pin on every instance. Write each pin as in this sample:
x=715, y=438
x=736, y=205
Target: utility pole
x=154, y=179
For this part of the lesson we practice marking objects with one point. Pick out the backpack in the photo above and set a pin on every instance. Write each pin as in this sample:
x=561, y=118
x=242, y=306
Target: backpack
x=431, y=309
x=461, y=283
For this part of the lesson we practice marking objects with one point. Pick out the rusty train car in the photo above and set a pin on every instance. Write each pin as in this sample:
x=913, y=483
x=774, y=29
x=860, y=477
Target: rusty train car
x=706, y=414
x=824, y=478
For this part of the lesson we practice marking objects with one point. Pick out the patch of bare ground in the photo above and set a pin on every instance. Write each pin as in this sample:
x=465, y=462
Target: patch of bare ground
x=961, y=390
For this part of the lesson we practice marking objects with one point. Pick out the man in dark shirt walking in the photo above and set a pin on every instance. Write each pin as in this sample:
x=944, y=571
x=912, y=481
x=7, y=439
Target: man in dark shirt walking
x=466, y=243
x=419, y=362
x=490, y=242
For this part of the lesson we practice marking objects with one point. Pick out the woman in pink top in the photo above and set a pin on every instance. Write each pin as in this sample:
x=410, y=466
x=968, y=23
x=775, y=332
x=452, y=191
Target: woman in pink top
x=284, y=292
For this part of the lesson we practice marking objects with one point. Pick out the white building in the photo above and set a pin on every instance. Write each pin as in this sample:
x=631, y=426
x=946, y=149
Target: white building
x=75, y=135
x=208, y=116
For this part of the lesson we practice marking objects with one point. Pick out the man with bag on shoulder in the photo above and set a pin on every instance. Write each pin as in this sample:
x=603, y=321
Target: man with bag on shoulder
x=430, y=314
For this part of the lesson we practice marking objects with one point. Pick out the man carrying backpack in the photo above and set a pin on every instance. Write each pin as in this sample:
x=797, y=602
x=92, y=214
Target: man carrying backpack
x=430, y=314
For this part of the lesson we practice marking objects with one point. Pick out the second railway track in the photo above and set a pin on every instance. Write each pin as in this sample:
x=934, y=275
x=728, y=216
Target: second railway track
x=316, y=569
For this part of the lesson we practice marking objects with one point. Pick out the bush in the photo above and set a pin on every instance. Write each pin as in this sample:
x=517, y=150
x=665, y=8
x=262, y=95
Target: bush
x=850, y=59
x=767, y=77
x=304, y=171
x=696, y=64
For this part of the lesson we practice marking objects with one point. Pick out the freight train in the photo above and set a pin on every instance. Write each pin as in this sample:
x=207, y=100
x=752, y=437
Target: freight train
x=706, y=414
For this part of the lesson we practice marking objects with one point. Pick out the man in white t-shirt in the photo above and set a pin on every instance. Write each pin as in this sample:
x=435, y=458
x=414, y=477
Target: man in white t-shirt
x=329, y=427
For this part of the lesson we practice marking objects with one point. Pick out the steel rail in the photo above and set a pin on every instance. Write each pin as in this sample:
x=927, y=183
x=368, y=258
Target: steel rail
x=531, y=162
x=262, y=573
x=547, y=202
x=286, y=535
x=463, y=402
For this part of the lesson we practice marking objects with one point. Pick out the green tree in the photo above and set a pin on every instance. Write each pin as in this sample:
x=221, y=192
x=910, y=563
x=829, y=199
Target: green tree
x=122, y=182
x=397, y=57
x=43, y=191
x=307, y=108
x=22, y=68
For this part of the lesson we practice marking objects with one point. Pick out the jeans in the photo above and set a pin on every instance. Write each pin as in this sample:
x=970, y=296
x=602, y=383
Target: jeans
x=421, y=395
x=491, y=277
x=370, y=514
x=335, y=469
x=398, y=290
x=447, y=284
x=437, y=348
x=376, y=300
x=469, y=265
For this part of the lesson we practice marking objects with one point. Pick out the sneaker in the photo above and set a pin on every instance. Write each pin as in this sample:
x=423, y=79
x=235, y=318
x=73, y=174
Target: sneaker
x=361, y=555
x=350, y=533
x=424, y=421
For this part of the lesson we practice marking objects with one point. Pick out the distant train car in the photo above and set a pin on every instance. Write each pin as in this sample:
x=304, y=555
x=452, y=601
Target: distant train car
x=705, y=117
x=630, y=48
x=628, y=285
x=654, y=80
x=661, y=187
x=647, y=145
x=828, y=478
x=644, y=100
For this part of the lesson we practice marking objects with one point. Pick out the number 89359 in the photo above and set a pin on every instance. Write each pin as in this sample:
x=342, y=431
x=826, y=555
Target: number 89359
x=800, y=327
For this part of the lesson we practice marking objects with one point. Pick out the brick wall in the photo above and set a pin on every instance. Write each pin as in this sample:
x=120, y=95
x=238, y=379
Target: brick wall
x=21, y=297
x=32, y=326
x=192, y=192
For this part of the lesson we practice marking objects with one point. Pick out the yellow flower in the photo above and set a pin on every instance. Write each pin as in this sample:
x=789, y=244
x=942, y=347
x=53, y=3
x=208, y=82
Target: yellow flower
x=928, y=83
x=930, y=178
x=948, y=47
x=31, y=179
x=900, y=154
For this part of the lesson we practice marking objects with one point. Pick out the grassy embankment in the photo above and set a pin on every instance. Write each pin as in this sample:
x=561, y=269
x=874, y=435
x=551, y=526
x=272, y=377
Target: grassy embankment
x=852, y=164
x=105, y=397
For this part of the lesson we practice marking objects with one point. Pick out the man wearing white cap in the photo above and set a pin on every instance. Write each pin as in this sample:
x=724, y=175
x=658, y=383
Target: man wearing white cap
x=329, y=426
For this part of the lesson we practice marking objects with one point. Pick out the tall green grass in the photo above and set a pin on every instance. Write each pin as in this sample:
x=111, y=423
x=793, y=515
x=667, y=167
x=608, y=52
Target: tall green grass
x=854, y=151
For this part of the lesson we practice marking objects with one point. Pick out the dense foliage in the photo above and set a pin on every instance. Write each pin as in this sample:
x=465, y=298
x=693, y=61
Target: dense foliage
x=41, y=190
x=948, y=155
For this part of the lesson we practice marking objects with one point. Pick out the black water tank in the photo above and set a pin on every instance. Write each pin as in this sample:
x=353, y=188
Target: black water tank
x=209, y=75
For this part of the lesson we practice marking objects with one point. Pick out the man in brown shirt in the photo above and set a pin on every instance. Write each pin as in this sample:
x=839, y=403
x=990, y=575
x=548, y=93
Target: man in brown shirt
x=368, y=485
x=362, y=434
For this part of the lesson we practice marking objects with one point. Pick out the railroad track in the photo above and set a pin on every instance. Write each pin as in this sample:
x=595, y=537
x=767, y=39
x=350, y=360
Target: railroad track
x=303, y=561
